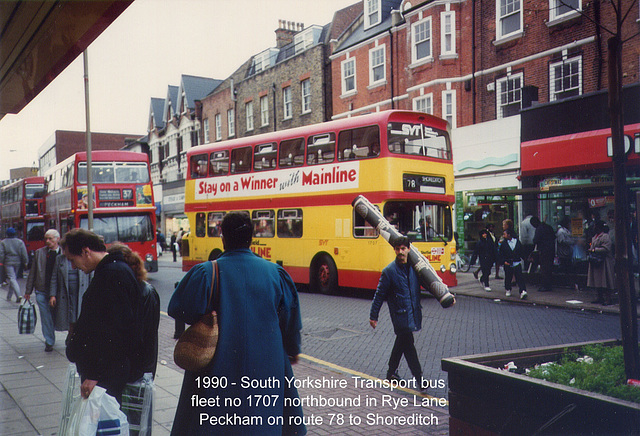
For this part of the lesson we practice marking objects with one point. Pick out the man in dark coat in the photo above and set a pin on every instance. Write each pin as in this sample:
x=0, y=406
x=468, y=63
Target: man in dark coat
x=107, y=336
x=545, y=239
x=400, y=287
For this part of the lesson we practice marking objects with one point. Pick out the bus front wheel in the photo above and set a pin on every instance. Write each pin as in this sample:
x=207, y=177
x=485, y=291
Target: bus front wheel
x=324, y=275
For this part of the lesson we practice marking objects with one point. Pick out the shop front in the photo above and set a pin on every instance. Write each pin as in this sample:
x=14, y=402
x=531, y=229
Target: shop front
x=486, y=168
x=567, y=168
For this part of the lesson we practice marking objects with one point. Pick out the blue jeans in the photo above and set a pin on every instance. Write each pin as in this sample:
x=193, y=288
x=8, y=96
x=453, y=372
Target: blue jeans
x=46, y=318
x=14, y=287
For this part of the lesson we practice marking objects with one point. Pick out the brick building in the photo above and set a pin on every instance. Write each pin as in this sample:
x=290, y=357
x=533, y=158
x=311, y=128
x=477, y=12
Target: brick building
x=478, y=64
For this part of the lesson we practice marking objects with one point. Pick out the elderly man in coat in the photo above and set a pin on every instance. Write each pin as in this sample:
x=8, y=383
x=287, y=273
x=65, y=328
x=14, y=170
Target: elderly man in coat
x=39, y=279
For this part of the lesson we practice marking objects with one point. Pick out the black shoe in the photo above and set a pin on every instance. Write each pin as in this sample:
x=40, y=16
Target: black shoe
x=48, y=348
x=19, y=300
x=393, y=376
x=475, y=274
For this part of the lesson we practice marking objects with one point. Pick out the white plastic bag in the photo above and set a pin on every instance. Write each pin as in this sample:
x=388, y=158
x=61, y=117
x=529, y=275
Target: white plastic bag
x=137, y=404
x=70, y=397
x=97, y=415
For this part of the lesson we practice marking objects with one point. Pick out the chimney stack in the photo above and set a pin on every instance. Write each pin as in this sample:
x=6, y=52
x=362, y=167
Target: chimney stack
x=285, y=32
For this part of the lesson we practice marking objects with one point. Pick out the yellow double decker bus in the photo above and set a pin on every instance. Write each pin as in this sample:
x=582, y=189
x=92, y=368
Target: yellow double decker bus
x=297, y=185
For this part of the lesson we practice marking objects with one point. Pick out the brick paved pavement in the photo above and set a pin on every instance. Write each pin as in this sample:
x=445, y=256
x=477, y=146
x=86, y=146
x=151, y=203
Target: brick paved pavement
x=335, y=329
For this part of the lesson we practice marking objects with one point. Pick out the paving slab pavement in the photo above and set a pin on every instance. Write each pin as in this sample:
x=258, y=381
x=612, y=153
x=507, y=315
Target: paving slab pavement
x=31, y=380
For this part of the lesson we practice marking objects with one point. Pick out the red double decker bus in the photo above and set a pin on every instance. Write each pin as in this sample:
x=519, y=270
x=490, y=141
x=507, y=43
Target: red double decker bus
x=123, y=206
x=22, y=204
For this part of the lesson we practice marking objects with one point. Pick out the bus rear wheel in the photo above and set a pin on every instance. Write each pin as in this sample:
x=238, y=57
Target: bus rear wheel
x=215, y=254
x=324, y=275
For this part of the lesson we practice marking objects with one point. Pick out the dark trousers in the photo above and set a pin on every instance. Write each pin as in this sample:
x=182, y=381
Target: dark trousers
x=509, y=273
x=486, y=273
x=404, y=345
x=546, y=271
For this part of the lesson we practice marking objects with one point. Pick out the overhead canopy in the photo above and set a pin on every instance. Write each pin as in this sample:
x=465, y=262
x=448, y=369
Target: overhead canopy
x=39, y=39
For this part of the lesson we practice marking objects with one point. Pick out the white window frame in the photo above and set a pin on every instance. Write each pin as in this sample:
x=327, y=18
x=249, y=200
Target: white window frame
x=553, y=92
x=305, y=95
x=449, y=107
x=502, y=88
x=264, y=110
x=424, y=103
x=553, y=10
x=248, y=109
x=374, y=56
x=512, y=8
x=231, y=122
x=206, y=130
x=343, y=69
x=447, y=33
x=218, y=127
x=372, y=13
x=428, y=39
x=286, y=102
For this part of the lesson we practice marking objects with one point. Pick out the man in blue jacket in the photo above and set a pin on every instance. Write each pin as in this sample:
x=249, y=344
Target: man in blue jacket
x=400, y=287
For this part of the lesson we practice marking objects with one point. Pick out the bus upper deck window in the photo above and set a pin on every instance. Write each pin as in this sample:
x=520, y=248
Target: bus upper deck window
x=321, y=149
x=219, y=163
x=361, y=143
x=198, y=166
x=292, y=153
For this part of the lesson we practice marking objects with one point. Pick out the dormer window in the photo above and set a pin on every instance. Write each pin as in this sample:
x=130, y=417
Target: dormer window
x=372, y=15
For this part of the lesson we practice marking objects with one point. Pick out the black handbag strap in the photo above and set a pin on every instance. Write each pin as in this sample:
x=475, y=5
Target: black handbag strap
x=215, y=280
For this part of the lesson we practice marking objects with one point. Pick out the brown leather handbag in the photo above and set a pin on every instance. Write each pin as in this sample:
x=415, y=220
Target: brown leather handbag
x=196, y=347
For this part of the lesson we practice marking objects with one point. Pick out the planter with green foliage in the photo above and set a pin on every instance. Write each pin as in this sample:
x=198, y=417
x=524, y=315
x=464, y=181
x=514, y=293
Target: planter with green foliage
x=486, y=400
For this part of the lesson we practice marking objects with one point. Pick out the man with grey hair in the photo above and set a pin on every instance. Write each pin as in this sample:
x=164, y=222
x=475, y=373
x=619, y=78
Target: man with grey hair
x=40, y=279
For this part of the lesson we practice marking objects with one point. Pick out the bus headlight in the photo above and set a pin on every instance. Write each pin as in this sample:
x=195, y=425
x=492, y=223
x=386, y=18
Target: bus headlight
x=443, y=268
x=149, y=257
x=453, y=268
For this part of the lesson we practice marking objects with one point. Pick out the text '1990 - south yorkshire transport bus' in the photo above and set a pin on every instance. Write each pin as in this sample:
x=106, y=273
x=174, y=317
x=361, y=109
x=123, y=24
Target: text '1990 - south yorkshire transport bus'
x=297, y=185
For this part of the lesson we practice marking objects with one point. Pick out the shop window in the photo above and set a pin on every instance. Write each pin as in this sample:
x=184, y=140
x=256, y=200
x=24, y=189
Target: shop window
x=359, y=143
x=292, y=153
x=201, y=225
x=264, y=157
x=290, y=223
x=321, y=149
x=214, y=220
x=263, y=223
x=198, y=166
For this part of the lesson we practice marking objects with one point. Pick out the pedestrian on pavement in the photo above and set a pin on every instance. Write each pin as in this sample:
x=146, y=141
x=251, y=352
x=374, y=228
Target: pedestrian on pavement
x=527, y=231
x=486, y=251
x=39, y=279
x=259, y=337
x=68, y=286
x=150, y=309
x=564, y=246
x=14, y=257
x=601, y=274
x=511, y=255
x=107, y=337
x=174, y=246
x=496, y=241
x=400, y=288
x=545, y=240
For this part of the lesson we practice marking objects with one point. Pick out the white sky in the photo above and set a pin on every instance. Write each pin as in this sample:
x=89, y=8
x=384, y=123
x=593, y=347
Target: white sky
x=146, y=49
